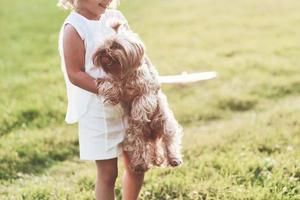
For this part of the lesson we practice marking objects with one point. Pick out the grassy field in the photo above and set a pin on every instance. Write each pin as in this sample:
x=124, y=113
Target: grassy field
x=242, y=130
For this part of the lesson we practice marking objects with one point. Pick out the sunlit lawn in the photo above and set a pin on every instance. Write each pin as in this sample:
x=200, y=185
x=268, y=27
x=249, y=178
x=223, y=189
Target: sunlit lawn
x=241, y=130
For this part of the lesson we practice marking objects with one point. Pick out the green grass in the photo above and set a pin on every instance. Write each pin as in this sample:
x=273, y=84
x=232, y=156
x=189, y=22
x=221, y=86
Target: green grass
x=242, y=129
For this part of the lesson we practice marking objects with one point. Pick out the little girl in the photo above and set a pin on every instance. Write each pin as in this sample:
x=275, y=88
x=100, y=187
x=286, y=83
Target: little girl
x=101, y=126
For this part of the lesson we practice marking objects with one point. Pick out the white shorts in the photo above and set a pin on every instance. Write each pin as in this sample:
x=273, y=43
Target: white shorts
x=101, y=131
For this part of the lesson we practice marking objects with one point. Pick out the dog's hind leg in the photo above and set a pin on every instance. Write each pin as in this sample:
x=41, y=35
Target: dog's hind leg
x=171, y=133
x=135, y=146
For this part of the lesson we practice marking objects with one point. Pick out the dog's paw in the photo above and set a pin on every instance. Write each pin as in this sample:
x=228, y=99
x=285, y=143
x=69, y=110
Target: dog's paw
x=174, y=162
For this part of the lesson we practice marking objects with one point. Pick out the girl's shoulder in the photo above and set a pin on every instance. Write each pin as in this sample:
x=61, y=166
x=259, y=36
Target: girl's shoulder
x=77, y=22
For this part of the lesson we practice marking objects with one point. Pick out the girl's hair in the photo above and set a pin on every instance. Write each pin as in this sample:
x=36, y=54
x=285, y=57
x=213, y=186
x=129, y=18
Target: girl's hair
x=71, y=4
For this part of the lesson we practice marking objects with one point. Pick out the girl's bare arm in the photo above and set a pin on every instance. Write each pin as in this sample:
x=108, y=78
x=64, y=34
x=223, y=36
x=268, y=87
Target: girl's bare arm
x=74, y=54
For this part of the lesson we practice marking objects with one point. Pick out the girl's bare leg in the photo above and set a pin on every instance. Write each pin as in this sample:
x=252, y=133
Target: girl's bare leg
x=131, y=182
x=107, y=172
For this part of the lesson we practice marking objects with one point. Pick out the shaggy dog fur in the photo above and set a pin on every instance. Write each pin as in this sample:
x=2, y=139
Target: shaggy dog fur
x=154, y=136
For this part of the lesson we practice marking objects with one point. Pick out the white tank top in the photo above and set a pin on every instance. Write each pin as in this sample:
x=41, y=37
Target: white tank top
x=92, y=32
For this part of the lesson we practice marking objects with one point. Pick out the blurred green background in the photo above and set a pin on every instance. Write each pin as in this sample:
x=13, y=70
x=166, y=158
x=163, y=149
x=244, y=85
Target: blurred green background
x=241, y=130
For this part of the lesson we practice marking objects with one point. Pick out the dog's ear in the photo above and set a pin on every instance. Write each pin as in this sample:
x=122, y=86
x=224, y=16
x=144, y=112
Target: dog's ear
x=116, y=24
x=97, y=58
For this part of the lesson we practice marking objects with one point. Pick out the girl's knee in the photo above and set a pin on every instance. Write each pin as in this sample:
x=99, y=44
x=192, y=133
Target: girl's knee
x=108, y=178
x=107, y=171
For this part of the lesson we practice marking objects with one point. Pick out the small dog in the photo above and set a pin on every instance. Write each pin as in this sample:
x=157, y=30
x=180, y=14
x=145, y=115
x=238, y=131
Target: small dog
x=153, y=137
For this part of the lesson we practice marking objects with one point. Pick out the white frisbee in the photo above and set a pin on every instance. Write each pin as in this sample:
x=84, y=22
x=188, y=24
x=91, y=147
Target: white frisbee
x=184, y=77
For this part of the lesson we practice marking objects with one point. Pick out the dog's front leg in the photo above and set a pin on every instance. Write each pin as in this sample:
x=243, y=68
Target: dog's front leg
x=143, y=107
x=110, y=89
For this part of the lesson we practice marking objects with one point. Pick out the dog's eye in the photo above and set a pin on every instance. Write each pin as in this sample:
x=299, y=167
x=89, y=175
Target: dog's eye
x=115, y=46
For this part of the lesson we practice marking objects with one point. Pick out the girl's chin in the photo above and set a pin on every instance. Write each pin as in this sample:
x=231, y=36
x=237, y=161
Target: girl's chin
x=101, y=10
